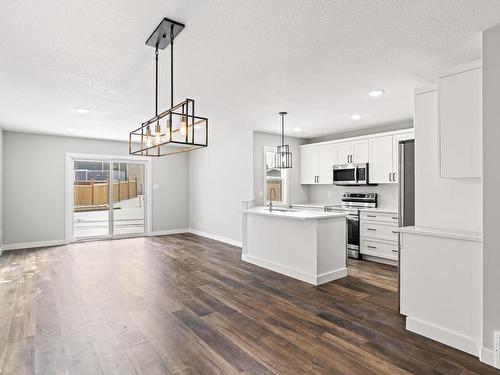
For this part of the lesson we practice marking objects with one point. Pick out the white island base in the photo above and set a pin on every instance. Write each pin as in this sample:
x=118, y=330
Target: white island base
x=306, y=245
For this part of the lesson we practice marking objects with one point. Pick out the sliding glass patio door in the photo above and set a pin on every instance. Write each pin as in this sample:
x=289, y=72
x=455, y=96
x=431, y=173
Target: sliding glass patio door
x=108, y=199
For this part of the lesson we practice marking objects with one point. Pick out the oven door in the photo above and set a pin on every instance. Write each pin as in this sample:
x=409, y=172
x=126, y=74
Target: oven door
x=353, y=236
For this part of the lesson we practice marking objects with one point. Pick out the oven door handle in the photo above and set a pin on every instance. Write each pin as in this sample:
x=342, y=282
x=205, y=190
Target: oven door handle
x=356, y=174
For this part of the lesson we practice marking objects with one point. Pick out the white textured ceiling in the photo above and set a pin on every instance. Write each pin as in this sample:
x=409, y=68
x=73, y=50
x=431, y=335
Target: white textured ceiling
x=241, y=60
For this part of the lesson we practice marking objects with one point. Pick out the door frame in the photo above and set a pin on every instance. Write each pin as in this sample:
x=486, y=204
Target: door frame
x=69, y=193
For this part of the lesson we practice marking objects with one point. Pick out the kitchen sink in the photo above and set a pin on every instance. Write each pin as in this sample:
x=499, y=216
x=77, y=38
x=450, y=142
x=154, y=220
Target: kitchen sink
x=284, y=209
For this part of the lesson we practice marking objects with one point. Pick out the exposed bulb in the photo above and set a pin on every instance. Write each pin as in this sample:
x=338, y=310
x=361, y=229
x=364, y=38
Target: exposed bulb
x=167, y=131
x=149, y=139
x=157, y=139
x=183, y=126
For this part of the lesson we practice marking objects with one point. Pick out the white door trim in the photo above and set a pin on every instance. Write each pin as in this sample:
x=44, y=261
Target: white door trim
x=69, y=198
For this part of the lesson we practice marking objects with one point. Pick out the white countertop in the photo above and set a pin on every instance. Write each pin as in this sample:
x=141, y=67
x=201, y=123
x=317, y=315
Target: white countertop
x=446, y=233
x=294, y=213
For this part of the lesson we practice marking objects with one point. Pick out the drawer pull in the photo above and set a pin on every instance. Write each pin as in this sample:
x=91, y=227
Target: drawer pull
x=395, y=232
x=395, y=217
x=371, y=215
x=371, y=229
x=371, y=247
x=395, y=251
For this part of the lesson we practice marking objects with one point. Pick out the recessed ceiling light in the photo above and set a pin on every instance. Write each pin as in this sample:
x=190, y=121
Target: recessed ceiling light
x=71, y=130
x=82, y=110
x=356, y=116
x=376, y=93
x=297, y=129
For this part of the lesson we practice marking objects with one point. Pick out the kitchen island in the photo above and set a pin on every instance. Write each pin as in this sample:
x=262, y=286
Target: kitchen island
x=306, y=245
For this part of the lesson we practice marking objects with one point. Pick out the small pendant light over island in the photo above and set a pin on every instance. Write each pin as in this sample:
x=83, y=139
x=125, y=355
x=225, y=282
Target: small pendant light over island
x=283, y=157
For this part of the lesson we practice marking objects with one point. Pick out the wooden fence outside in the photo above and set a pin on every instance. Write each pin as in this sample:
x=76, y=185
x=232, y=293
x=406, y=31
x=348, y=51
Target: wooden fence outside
x=90, y=193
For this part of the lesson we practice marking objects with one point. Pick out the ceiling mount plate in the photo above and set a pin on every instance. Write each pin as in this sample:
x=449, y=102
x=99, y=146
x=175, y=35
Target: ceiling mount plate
x=161, y=35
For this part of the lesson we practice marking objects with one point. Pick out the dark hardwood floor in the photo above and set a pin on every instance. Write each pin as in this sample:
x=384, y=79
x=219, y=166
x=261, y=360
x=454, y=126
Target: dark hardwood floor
x=184, y=304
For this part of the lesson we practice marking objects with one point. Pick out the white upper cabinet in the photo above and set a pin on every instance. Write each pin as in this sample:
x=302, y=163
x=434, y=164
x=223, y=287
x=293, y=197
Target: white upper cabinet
x=309, y=165
x=383, y=162
x=460, y=123
x=351, y=152
x=380, y=151
x=343, y=153
x=380, y=169
x=326, y=157
x=360, y=151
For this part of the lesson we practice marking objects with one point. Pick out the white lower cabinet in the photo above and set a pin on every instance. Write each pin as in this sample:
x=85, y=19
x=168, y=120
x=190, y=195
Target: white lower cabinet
x=380, y=249
x=378, y=236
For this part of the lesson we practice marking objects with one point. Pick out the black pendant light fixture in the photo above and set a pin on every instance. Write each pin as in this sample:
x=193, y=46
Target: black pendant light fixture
x=177, y=129
x=283, y=154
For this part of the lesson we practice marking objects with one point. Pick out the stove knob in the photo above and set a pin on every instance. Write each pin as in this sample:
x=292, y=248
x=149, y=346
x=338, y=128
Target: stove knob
x=344, y=195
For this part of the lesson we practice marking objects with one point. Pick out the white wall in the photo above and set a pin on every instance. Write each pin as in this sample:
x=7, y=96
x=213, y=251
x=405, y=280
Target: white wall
x=400, y=125
x=297, y=193
x=491, y=185
x=220, y=178
x=331, y=194
x=1, y=189
x=34, y=185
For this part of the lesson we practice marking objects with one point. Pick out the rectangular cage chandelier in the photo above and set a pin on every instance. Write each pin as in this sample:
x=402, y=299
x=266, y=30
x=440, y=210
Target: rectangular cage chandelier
x=177, y=129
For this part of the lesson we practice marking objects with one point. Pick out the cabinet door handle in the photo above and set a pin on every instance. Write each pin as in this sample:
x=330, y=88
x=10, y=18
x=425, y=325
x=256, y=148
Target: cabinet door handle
x=371, y=247
x=395, y=251
x=395, y=217
x=395, y=232
x=371, y=229
x=394, y=176
x=390, y=177
x=371, y=215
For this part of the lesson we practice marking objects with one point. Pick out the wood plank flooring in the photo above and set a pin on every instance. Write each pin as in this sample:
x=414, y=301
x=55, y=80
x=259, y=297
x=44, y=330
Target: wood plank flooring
x=183, y=304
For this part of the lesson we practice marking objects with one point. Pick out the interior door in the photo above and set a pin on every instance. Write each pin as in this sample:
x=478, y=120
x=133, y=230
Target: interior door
x=309, y=165
x=380, y=163
x=344, y=152
x=91, y=206
x=326, y=161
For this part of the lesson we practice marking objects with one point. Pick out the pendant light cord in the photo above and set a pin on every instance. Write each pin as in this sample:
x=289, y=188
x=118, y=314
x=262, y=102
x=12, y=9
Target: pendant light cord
x=172, y=66
x=156, y=87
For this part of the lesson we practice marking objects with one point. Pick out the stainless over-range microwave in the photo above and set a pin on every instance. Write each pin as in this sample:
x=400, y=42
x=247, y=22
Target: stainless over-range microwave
x=350, y=174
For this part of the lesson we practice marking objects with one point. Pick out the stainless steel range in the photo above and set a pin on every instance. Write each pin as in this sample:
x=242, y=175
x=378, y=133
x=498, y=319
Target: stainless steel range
x=351, y=203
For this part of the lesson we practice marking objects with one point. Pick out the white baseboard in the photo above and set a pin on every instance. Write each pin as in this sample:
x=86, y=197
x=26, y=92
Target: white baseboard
x=492, y=357
x=444, y=335
x=167, y=232
x=371, y=258
x=330, y=276
x=296, y=274
x=488, y=356
x=215, y=237
x=30, y=245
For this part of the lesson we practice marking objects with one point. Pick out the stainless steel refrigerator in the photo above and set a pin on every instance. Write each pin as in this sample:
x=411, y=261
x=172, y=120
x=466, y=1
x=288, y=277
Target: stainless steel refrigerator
x=406, y=196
